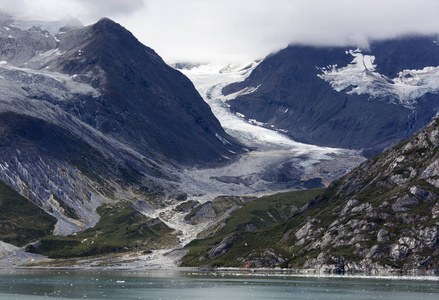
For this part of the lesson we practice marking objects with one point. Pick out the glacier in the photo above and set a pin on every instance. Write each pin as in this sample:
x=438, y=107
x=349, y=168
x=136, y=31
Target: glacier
x=360, y=77
x=42, y=93
x=273, y=154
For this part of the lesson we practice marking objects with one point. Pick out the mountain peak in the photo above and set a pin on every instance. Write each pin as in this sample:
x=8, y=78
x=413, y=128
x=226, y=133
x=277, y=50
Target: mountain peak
x=143, y=92
x=109, y=38
x=106, y=26
x=105, y=23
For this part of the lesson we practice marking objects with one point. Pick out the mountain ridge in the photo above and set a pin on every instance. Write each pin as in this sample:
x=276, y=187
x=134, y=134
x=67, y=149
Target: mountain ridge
x=380, y=218
x=99, y=132
x=146, y=82
x=98, y=116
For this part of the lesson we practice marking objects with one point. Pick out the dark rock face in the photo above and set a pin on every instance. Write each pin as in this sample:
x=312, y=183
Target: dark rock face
x=145, y=103
x=58, y=171
x=384, y=210
x=225, y=245
x=292, y=97
x=412, y=52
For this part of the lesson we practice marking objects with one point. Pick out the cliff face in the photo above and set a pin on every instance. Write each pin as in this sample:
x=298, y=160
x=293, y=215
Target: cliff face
x=381, y=217
x=385, y=212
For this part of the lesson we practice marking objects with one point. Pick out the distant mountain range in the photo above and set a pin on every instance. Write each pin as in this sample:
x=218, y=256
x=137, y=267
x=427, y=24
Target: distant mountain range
x=345, y=96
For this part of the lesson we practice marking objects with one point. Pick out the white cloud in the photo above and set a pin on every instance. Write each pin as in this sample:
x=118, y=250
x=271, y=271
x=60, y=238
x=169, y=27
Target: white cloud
x=242, y=30
x=87, y=11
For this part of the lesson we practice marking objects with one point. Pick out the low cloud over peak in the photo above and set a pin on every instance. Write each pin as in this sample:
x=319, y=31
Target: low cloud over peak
x=243, y=30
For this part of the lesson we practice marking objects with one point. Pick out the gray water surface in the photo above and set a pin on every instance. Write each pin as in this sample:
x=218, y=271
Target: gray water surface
x=159, y=284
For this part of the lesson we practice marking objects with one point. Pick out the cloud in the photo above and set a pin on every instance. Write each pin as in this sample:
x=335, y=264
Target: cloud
x=239, y=30
x=197, y=30
x=97, y=9
x=12, y=6
x=87, y=11
x=339, y=22
x=243, y=30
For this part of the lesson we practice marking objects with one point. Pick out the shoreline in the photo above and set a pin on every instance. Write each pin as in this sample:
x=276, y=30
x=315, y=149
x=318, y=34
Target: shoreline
x=312, y=273
x=236, y=272
x=17, y=259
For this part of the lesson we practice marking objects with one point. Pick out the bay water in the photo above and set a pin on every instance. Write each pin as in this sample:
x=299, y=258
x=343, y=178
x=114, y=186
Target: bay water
x=190, y=284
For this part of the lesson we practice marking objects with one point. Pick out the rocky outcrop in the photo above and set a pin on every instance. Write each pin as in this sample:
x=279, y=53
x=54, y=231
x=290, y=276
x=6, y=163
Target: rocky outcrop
x=383, y=213
x=225, y=245
x=214, y=210
x=267, y=259
x=380, y=218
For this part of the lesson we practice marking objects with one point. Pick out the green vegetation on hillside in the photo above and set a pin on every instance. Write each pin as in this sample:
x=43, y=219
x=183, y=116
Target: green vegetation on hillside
x=21, y=221
x=384, y=214
x=120, y=228
x=257, y=226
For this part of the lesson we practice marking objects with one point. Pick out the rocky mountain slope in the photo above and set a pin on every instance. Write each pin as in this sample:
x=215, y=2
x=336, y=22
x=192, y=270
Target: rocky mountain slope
x=89, y=115
x=344, y=96
x=381, y=217
x=101, y=139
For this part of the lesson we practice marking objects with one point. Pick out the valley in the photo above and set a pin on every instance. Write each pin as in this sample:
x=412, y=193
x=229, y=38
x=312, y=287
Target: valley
x=275, y=163
x=313, y=158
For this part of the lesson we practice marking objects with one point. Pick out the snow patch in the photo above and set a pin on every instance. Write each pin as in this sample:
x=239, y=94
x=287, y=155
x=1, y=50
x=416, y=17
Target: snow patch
x=360, y=77
x=244, y=91
x=255, y=122
x=223, y=140
x=240, y=115
x=53, y=27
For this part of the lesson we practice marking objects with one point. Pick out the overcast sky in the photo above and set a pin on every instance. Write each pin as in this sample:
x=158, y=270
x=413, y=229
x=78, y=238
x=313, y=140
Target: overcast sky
x=242, y=30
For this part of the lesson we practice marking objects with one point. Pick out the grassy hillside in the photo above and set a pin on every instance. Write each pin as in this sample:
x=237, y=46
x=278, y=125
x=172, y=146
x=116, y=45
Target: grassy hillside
x=21, y=221
x=250, y=228
x=120, y=229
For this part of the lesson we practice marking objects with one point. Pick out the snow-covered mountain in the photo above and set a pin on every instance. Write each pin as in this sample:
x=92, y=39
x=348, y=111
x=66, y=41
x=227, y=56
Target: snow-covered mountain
x=344, y=96
x=90, y=115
